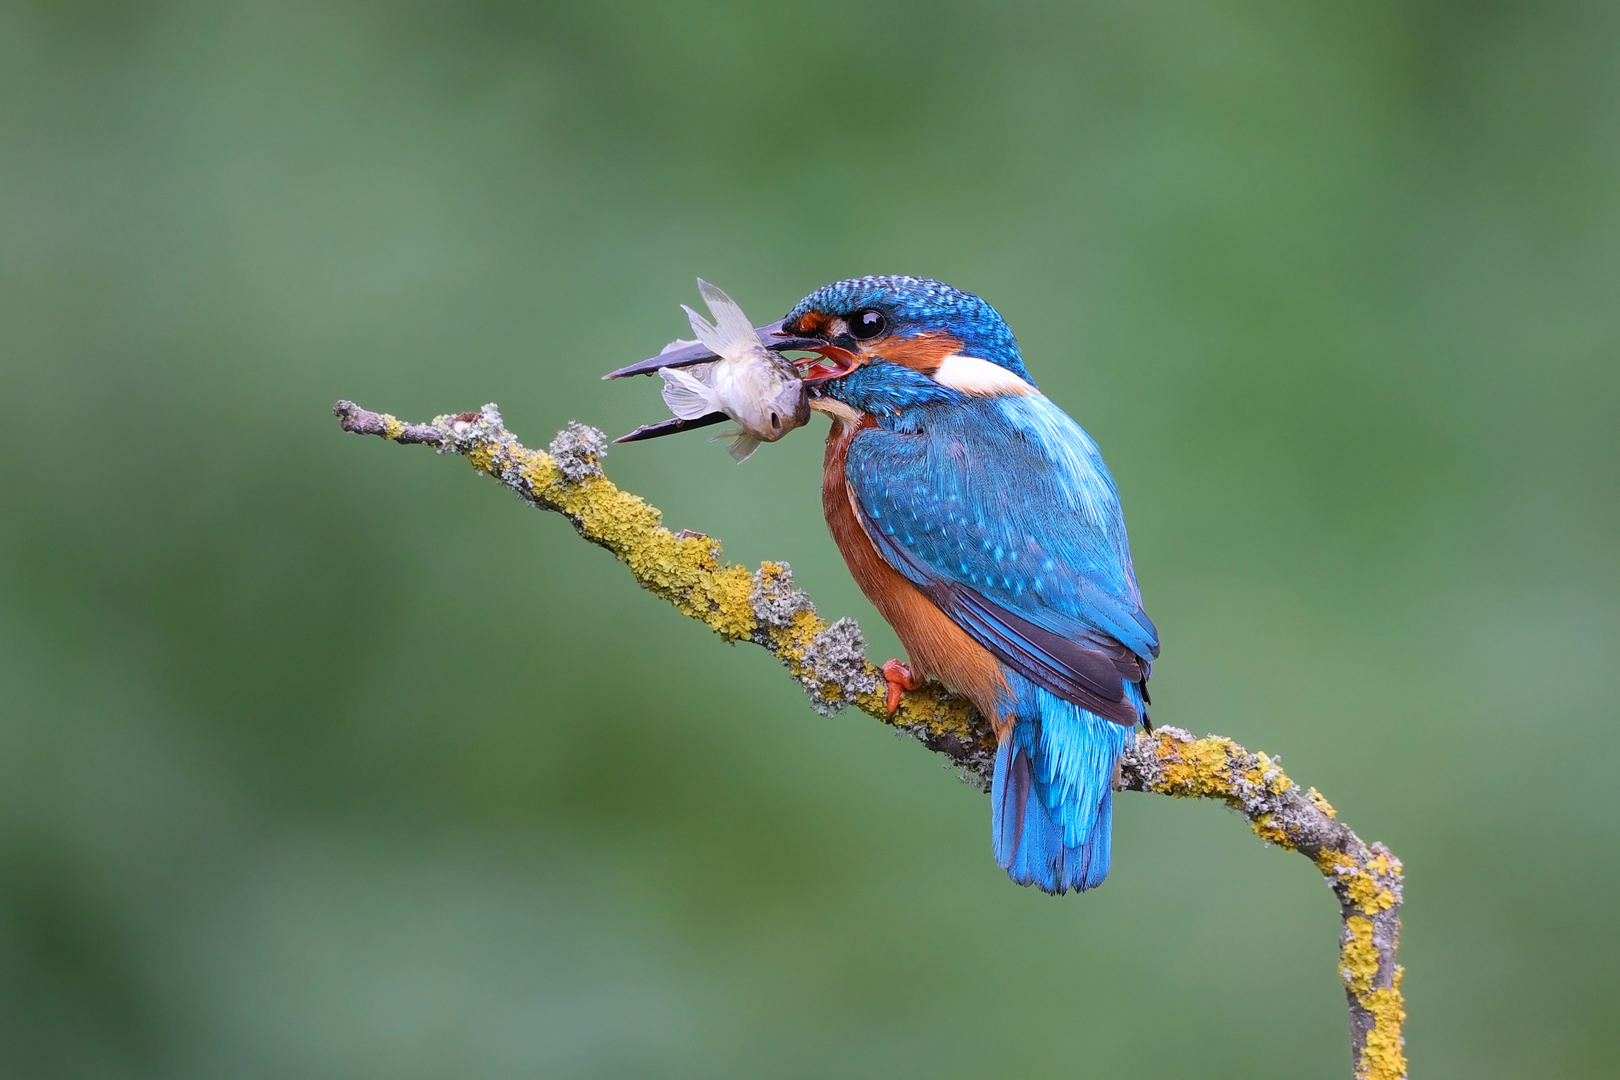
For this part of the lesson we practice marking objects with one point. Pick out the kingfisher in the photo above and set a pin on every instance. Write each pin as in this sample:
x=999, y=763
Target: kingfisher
x=980, y=521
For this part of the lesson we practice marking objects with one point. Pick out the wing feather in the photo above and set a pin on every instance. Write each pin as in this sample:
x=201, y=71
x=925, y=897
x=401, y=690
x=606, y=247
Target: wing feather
x=1003, y=513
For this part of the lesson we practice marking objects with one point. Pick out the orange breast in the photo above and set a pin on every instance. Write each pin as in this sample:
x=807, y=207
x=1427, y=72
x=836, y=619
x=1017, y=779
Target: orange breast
x=936, y=645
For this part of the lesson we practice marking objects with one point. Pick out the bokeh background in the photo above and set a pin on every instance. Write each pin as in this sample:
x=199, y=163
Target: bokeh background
x=321, y=757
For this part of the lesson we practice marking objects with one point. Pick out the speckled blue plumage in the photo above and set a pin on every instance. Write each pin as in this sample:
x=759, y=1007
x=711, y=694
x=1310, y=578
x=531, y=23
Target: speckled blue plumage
x=1008, y=495
x=1006, y=498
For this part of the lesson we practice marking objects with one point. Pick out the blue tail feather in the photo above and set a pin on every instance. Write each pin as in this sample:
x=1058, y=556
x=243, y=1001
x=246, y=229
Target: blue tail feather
x=1052, y=797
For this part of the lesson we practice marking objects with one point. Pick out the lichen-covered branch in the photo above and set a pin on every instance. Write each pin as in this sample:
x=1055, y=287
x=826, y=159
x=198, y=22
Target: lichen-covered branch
x=829, y=661
x=1366, y=878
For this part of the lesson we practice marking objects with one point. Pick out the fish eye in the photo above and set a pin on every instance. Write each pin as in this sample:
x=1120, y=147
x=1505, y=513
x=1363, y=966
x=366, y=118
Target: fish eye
x=867, y=323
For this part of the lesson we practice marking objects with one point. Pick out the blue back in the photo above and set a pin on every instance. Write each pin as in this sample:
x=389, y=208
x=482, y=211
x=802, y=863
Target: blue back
x=1010, y=496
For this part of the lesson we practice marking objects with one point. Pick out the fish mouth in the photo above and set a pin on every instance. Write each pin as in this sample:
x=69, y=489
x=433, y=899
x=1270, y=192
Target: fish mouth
x=827, y=361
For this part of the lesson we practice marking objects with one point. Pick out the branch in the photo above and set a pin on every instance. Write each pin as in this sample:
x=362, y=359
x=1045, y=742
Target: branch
x=829, y=661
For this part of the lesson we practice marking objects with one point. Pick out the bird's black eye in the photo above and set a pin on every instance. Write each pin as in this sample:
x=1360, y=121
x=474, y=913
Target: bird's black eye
x=867, y=323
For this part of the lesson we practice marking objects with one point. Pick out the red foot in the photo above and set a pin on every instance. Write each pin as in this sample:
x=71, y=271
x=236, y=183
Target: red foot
x=899, y=678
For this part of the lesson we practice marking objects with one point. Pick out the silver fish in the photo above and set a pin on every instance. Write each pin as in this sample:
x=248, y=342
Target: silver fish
x=749, y=383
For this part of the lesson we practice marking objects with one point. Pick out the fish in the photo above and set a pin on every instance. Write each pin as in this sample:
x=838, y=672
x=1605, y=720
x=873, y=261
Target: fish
x=753, y=385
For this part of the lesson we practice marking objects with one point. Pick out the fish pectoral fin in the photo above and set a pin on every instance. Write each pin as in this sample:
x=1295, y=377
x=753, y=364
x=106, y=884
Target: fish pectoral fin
x=687, y=396
x=742, y=445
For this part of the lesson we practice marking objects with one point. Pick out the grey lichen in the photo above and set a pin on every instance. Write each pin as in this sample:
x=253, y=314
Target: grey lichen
x=471, y=430
x=974, y=761
x=776, y=600
x=484, y=432
x=837, y=655
x=579, y=450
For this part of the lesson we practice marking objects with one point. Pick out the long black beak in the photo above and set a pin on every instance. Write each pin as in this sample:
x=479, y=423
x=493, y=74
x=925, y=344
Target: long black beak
x=771, y=335
x=673, y=426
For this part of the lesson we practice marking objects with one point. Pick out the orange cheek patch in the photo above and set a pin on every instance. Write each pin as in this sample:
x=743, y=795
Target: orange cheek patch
x=923, y=353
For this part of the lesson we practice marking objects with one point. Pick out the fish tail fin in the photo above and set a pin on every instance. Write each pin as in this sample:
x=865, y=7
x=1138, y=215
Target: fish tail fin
x=687, y=396
x=730, y=330
x=1052, y=799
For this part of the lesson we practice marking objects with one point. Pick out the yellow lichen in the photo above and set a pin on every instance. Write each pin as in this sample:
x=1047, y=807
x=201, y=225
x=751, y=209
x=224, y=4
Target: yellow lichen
x=1364, y=885
x=1269, y=775
x=727, y=591
x=929, y=708
x=794, y=639
x=1334, y=864
x=770, y=573
x=686, y=571
x=1198, y=770
x=1384, y=1057
x=932, y=709
x=1358, y=960
x=1266, y=828
x=1320, y=803
x=1368, y=895
x=393, y=427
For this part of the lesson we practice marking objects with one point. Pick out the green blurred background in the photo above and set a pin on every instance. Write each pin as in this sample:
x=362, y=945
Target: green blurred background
x=322, y=757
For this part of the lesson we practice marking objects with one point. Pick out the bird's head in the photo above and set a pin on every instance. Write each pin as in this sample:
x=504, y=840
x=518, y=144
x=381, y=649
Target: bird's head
x=898, y=342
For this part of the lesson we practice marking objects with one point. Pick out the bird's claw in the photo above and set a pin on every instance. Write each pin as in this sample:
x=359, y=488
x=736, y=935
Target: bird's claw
x=900, y=679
